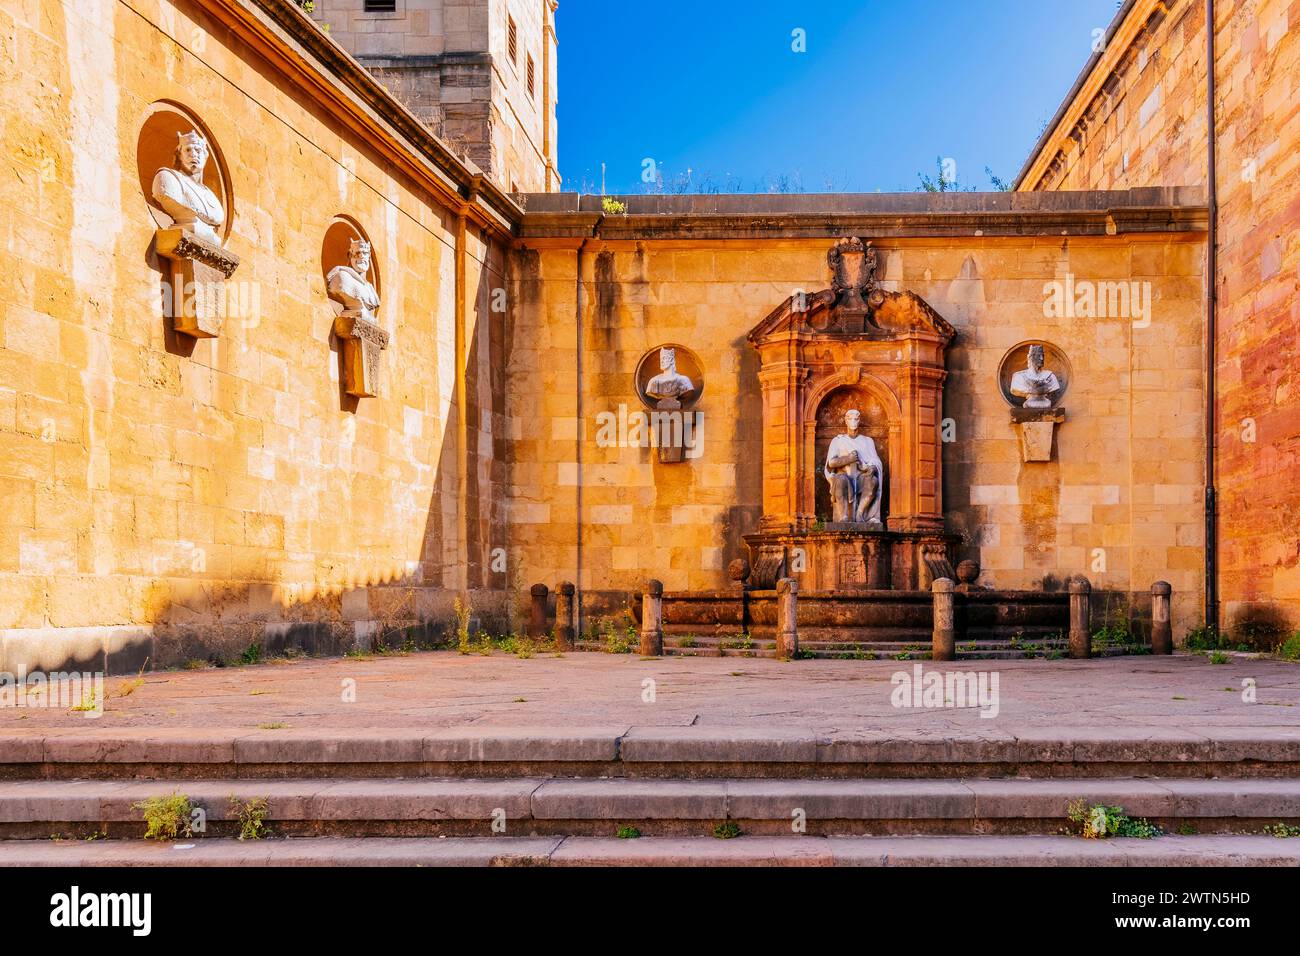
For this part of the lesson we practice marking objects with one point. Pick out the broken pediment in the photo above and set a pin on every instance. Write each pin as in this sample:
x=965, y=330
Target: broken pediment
x=854, y=305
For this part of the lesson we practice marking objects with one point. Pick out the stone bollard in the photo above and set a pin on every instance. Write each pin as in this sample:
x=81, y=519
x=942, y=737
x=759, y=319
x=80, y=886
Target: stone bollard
x=943, y=643
x=565, y=634
x=537, y=610
x=652, y=620
x=1080, y=631
x=1162, y=632
x=787, y=619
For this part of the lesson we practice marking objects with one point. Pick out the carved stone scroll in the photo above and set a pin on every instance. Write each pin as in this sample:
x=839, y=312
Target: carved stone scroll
x=362, y=342
x=196, y=300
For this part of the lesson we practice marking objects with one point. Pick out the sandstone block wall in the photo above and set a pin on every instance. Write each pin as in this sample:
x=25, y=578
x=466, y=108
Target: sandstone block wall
x=166, y=500
x=448, y=60
x=1120, y=502
x=1147, y=126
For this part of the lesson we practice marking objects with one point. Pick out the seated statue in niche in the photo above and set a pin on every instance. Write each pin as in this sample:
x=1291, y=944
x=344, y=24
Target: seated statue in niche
x=854, y=471
x=1035, y=384
x=669, y=383
x=181, y=193
x=349, y=285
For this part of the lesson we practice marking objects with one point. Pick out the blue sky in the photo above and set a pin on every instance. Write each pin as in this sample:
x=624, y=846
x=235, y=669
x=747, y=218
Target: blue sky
x=883, y=88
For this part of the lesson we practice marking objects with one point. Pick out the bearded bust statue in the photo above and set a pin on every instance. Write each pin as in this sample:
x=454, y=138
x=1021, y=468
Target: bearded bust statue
x=1035, y=384
x=350, y=284
x=669, y=383
x=181, y=193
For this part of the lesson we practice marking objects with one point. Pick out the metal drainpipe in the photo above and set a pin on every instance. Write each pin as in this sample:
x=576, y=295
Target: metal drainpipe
x=1211, y=333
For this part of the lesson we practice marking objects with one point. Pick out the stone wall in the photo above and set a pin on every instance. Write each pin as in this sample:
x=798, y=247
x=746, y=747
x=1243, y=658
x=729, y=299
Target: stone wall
x=166, y=498
x=524, y=123
x=1119, y=502
x=449, y=62
x=1139, y=120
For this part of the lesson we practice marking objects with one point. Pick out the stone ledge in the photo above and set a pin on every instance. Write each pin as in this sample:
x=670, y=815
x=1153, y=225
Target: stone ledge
x=287, y=746
x=631, y=799
x=723, y=744
x=1156, y=209
x=651, y=851
x=524, y=743
x=707, y=744
x=1094, y=200
x=490, y=851
x=636, y=799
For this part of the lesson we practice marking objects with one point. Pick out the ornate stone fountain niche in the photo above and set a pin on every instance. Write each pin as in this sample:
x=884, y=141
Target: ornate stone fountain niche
x=858, y=347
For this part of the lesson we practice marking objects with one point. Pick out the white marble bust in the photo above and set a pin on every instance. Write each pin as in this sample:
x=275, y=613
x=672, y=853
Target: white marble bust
x=349, y=284
x=854, y=469
x=669, y=383
x=181, y=193
x=1035, y=384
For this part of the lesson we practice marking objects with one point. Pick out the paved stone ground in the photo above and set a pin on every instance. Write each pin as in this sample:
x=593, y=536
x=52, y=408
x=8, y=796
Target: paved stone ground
x=445, y=689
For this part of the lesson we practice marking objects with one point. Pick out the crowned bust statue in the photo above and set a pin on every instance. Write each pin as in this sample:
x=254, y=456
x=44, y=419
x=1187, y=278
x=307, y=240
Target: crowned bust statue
x=1035, y=384
x=350, y=284
x=854, y=471
x=181, y=193
x=669, y=383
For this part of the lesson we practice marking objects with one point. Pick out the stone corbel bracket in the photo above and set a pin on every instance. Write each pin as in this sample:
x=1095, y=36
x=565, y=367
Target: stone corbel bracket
x=1037, y=429
x=362, y=341
x=199, y=270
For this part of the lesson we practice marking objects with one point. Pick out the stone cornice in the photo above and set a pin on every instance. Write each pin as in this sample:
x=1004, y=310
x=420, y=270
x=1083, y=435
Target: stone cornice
x=294, y=45
x=1099, y=73
x=564, y=218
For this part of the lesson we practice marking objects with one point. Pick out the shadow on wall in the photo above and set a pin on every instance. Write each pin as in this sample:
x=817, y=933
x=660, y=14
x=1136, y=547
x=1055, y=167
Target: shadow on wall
x=1260, y=627
x=202, y=621
x=220, y=617
x=252, y=616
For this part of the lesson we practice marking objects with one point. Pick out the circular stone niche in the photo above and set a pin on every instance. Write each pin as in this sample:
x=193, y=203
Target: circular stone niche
x=156, y=148
x=688, y=364
x=334, y=252
x=1017, y=358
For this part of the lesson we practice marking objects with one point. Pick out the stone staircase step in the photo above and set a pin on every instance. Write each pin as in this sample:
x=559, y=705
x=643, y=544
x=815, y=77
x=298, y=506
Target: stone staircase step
x=535, y=806
x=708, y=750
x=652, y=851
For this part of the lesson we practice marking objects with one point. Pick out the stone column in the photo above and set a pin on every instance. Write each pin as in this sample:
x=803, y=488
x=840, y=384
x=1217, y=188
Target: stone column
x=1162, y=633
x=1080, y=631
x=787, y=623
x=565, y=634
x=943, y=643
x=652, y=619
x=537, y=610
